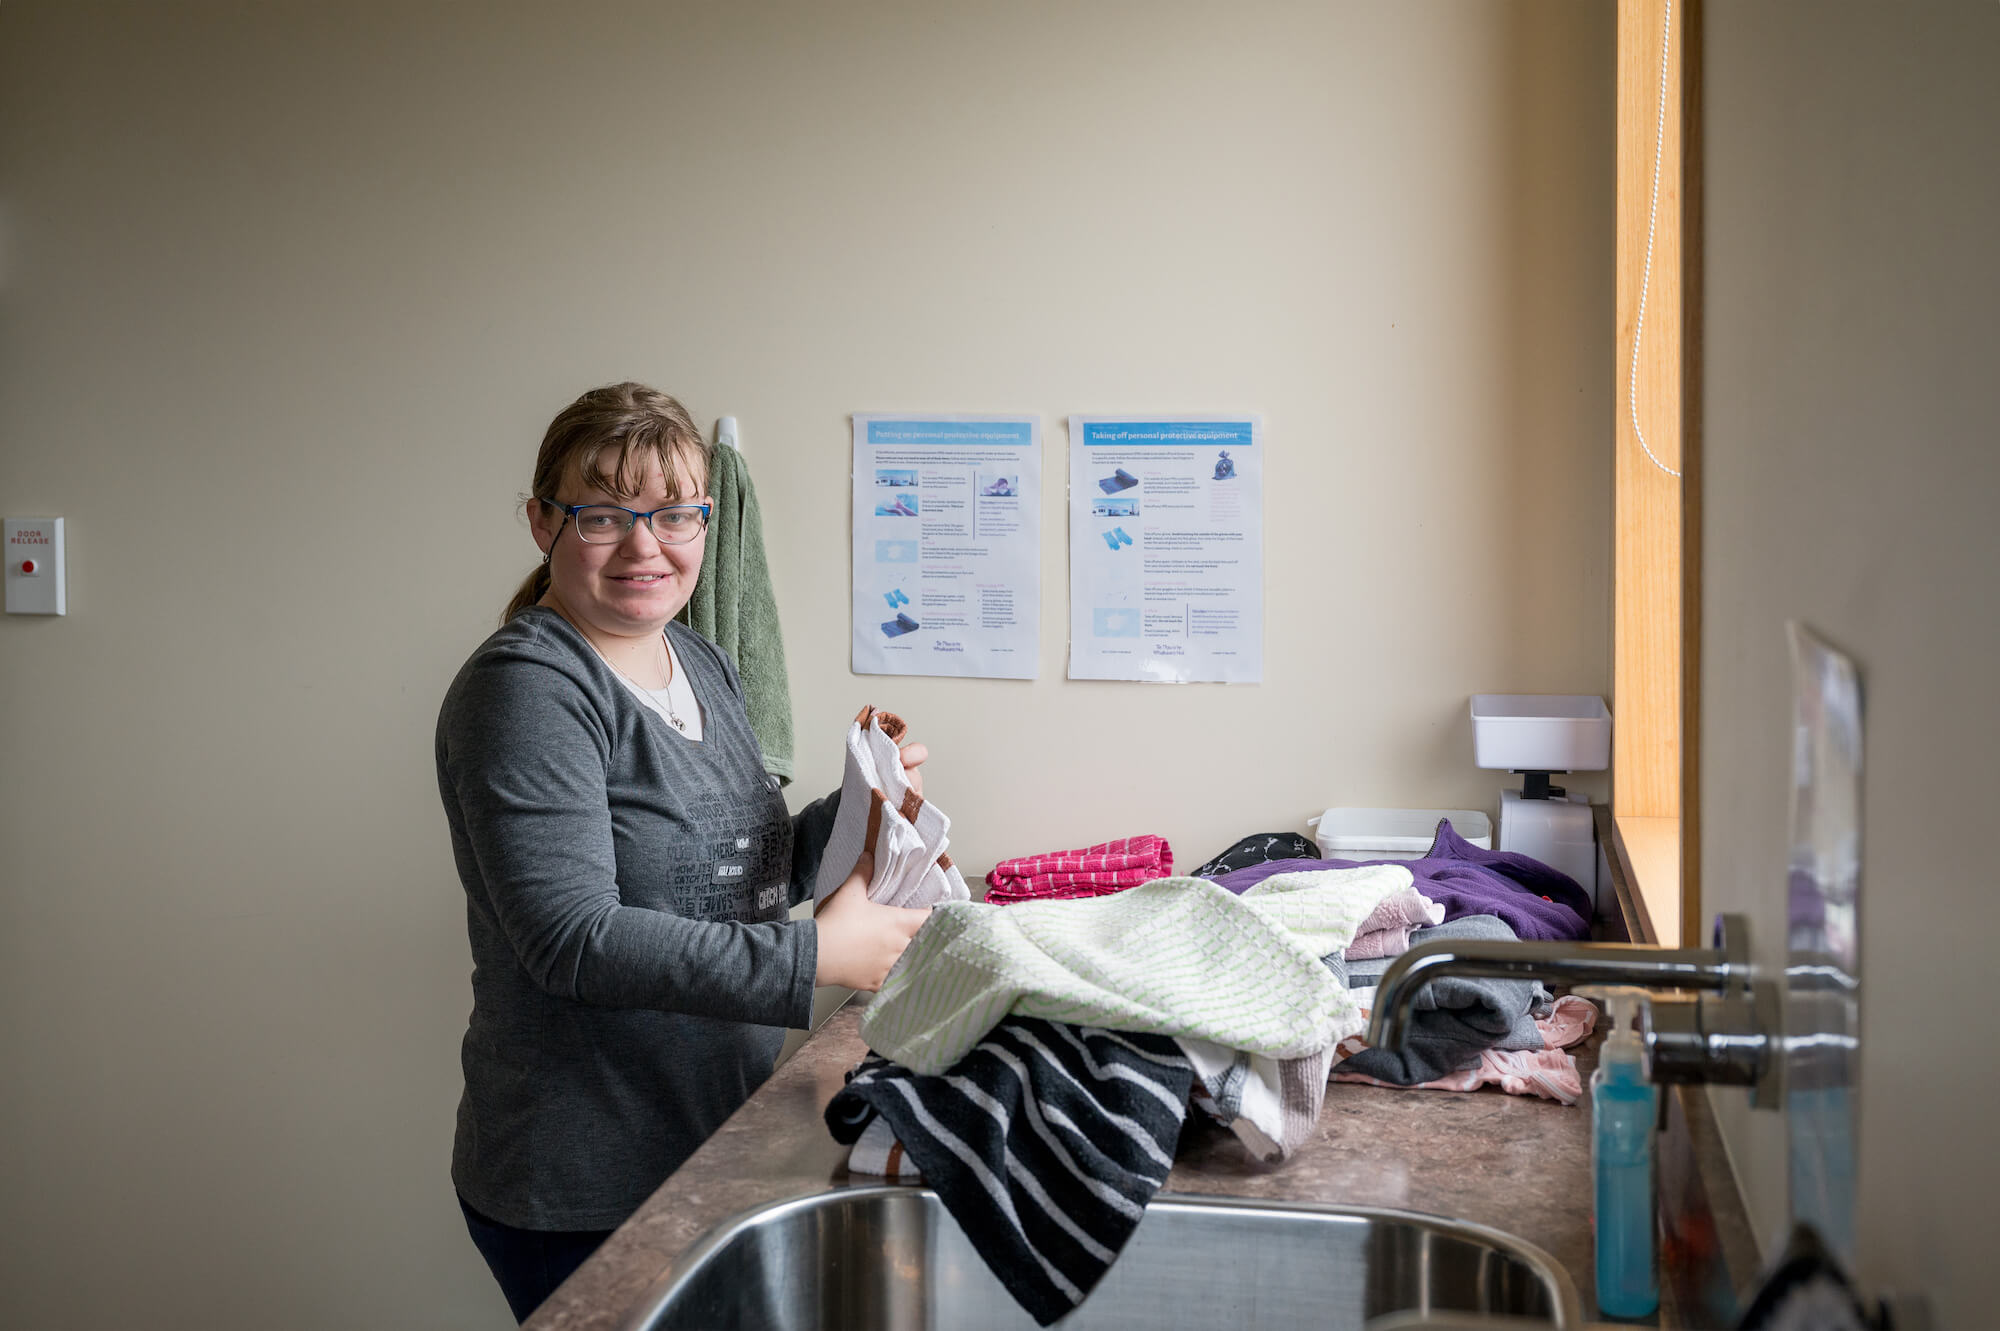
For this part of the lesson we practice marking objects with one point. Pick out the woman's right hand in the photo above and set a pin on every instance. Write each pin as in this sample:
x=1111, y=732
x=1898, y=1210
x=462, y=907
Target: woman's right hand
x=859, y=940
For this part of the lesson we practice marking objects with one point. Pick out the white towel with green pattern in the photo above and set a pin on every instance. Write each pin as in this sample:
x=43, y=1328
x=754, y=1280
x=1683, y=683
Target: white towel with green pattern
x=1176, y=956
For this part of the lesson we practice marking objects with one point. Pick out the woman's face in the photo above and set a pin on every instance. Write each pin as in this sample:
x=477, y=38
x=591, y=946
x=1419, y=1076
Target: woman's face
x=630, y=587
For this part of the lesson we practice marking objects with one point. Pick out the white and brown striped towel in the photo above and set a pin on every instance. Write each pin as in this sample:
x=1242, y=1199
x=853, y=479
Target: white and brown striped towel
x=877, y=1153
x=879, y=812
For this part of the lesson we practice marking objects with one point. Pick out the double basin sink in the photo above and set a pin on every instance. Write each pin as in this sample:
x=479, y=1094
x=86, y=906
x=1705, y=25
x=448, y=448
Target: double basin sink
x=891, y=1257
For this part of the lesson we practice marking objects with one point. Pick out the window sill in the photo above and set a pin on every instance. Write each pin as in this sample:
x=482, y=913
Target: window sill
x=1645, y=859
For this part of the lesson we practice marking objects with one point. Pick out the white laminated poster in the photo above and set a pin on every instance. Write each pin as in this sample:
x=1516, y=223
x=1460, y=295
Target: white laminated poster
x=1166, y=542
x=947, y=545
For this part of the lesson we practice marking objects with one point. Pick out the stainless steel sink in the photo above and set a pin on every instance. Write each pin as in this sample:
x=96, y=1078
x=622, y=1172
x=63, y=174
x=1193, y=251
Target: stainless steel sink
x=857, y=1259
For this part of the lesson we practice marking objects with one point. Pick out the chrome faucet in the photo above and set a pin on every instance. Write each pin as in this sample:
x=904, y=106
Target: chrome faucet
x=1726, y=1035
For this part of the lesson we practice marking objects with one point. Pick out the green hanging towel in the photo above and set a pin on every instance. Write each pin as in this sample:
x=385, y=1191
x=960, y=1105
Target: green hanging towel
x=734, y=607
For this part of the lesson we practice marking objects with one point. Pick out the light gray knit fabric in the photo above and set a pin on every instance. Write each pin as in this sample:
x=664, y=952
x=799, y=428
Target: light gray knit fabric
x=627, y=898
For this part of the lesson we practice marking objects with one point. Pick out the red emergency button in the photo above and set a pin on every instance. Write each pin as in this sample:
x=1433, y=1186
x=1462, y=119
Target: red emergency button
x=29, y=566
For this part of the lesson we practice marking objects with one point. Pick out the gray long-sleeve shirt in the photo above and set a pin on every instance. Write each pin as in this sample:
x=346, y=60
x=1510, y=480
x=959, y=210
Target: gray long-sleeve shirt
x=627, y=898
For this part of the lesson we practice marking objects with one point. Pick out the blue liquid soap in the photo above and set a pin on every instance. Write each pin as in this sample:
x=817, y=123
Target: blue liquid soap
x=1622, y=1108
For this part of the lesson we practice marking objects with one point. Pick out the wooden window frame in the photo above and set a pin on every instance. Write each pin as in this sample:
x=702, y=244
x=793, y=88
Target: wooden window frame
x=1656, y=617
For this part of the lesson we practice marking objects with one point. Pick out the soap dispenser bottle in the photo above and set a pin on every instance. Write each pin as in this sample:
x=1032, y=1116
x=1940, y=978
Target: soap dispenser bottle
x=1623, y=1104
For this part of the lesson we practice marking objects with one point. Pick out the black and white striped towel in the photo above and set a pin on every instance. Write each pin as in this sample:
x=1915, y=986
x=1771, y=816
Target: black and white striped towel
x=1045, y=1143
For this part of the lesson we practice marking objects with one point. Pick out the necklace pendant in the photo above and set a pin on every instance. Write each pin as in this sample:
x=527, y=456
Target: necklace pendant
x=679, y=724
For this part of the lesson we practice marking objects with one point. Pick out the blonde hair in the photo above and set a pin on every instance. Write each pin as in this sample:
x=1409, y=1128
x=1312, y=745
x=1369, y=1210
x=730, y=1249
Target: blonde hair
x=607, y=436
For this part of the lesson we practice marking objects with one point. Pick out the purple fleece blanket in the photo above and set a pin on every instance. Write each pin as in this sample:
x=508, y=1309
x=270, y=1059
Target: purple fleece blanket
x=1535, y=900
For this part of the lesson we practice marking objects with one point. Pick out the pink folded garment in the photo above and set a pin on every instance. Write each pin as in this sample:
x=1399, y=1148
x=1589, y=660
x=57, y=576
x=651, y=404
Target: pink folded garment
x=1549, y=1072
x=1094, y=871
x=1386, y=931
x=1570, y=1022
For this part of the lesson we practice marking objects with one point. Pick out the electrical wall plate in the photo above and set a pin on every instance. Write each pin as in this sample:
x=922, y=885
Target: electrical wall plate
x=36, y=573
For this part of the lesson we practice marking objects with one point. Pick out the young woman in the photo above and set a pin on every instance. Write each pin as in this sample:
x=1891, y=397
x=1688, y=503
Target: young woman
x=628, y=865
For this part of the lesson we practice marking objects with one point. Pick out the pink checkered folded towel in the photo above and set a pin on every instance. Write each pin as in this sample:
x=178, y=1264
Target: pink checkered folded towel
x=1093, y=871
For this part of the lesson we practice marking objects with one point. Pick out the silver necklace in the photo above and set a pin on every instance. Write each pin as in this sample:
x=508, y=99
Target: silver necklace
x=661, y=695
x=665, y=698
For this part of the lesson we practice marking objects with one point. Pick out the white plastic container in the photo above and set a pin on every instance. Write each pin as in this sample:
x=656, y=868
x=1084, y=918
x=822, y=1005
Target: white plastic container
x=1393, y=834
x=1541, y=732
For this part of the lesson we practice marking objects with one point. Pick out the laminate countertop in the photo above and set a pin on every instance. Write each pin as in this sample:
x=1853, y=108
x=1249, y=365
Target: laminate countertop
x=1516, y=1163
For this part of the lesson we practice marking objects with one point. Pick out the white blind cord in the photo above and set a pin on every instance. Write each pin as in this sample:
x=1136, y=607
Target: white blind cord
x=1652, y=218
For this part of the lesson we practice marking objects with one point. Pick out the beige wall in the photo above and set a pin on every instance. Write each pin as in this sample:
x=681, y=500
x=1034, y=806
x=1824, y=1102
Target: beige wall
x=1854, y=196
x=288, y=290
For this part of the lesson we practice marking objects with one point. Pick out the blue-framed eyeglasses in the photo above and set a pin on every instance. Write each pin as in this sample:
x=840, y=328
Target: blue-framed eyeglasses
x=604, y=524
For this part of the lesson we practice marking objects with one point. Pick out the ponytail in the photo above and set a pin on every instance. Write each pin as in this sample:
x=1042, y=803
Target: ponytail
x=532, y=590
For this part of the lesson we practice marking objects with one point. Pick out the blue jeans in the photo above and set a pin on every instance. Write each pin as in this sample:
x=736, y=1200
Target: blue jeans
x=529, y=1263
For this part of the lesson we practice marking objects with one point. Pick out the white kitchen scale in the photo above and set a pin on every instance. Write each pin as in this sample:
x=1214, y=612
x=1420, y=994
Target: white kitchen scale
x=1538, y=736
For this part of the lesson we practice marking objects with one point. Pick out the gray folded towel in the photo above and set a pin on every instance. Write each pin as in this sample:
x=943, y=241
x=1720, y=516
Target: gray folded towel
x=1454, y=1019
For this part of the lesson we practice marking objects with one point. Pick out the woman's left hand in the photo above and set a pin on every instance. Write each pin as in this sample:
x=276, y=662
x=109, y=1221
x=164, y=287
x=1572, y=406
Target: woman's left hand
x=913, y=755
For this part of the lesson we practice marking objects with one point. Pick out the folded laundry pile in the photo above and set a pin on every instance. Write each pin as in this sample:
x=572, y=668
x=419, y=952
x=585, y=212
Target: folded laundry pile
x=1033, y=1061
x=1454, y=1018
x=1535, y=900
x=1467, y=1033
x=1090, y=872
x=879, y=812
x=1549, y=1072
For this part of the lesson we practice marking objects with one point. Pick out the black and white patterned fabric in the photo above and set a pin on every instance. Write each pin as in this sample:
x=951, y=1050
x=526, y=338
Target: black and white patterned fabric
x=1045, y=1143
x=1262, y=848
